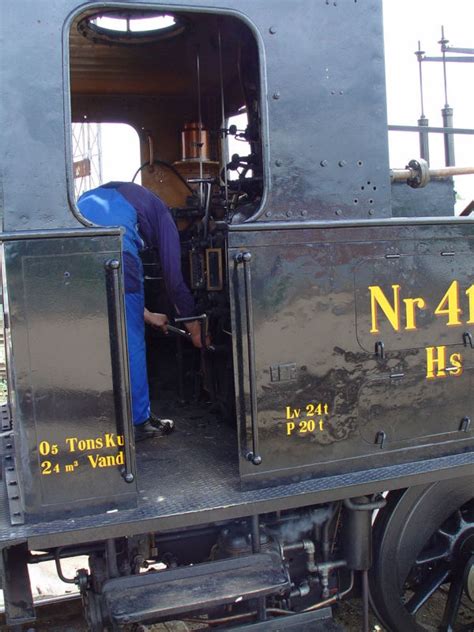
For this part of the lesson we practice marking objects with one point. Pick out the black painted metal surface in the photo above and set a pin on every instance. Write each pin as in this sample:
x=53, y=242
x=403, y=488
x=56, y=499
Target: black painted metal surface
x=67, y=443
x=192, y=478
x=322, y=78
x=151, y=595
x=324, y=394
x=437, y=199
x=309, y=289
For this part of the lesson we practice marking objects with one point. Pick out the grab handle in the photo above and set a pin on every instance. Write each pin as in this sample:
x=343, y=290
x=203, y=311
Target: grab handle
x=120, y=370
x=245, y=258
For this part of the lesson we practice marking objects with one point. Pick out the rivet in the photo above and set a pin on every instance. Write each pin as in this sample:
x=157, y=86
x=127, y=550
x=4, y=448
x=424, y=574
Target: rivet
x=342, y=163
x=272, y=30
x=304, y=213
x=371, y=211
x=338, y=211
x=278, y=163
x=276, y=95
x=268, y=214
x=289, y=213
x=341, y=91
x=324, y=163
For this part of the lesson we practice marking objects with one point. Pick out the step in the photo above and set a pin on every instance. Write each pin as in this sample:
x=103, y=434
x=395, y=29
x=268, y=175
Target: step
x=166, y=593
x=315, y=621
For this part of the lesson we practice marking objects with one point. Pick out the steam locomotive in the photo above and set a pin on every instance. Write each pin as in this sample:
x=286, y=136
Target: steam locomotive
x=324, y=442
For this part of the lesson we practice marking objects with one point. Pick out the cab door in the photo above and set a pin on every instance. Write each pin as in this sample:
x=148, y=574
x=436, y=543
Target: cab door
x=70, y=450
x=320, y=390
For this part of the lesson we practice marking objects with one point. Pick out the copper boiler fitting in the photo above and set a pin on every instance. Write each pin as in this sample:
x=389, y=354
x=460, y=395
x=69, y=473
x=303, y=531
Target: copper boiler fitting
x=195, y=142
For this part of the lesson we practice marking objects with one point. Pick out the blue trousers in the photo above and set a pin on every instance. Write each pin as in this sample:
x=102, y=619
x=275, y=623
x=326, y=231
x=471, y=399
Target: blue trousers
x=134, y=307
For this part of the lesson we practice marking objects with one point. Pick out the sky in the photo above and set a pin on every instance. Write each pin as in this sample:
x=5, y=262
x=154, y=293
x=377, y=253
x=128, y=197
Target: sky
x=405, y=23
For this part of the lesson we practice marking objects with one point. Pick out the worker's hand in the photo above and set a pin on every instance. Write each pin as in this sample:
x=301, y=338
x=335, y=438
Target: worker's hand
x=194, y=328
x=157, y=320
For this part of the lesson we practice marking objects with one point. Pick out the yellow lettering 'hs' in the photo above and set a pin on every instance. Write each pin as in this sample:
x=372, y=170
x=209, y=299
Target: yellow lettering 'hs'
x=436, y=363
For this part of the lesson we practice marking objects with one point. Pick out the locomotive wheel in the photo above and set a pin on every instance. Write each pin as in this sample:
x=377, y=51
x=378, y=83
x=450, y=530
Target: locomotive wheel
x=424, y=558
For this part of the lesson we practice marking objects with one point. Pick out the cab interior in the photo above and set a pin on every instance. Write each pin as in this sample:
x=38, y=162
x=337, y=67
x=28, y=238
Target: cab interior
x=179, y=78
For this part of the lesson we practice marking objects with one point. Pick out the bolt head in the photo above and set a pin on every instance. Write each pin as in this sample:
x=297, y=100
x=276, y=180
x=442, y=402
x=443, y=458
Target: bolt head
x=272, y=30
x=276, y=95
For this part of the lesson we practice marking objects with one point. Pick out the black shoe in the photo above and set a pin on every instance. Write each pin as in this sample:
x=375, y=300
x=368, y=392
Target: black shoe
x=166, y=426
x=152, y=429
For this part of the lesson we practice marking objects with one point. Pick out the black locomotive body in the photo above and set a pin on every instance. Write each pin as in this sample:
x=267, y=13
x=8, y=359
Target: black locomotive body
x=324, y=439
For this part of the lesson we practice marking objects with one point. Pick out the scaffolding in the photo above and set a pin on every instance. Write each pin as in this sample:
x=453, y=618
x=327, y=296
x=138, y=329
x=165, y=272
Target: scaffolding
x=87, y=156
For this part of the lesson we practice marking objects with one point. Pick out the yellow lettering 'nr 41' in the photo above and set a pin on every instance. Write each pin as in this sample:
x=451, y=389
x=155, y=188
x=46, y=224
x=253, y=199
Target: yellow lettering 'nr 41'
x=449, y=305
x=378, y=300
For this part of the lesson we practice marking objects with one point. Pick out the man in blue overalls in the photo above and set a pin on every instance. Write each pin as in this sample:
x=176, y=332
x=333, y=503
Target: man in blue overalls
x=147, y=222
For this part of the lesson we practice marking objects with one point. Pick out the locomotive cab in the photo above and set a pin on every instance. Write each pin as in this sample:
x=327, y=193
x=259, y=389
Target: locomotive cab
x=180, y=78
x=337, y=310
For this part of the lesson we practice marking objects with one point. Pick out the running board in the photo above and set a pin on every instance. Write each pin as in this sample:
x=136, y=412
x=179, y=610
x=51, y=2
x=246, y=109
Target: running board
x=163, y=594
x=315, y=621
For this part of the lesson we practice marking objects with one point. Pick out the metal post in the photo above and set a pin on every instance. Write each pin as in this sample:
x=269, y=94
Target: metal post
x=424, y=139
x=261, y=601
x=447, y=112
x=449, y=158
x=422, y=121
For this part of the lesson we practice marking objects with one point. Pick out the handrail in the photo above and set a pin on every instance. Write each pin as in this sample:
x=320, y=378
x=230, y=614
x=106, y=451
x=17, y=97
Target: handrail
x=120, y=370
x=251, y=455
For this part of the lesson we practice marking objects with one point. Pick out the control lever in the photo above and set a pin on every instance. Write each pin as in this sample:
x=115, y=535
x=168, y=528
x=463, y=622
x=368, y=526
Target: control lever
x=176, y=330
x=202, y=319
x=206, y=204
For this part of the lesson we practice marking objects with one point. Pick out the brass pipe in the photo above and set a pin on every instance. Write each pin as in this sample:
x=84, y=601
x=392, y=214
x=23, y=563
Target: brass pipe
x=401, y=175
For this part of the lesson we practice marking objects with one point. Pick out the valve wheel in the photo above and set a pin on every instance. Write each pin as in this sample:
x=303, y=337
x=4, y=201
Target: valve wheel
x=422, y=575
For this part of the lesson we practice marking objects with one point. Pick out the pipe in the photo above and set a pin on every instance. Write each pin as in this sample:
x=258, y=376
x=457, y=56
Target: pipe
x=224, y=142
x=365, y=601
x=331, y=600
x=402, y=175
x=256, y=547
x=111, y=556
